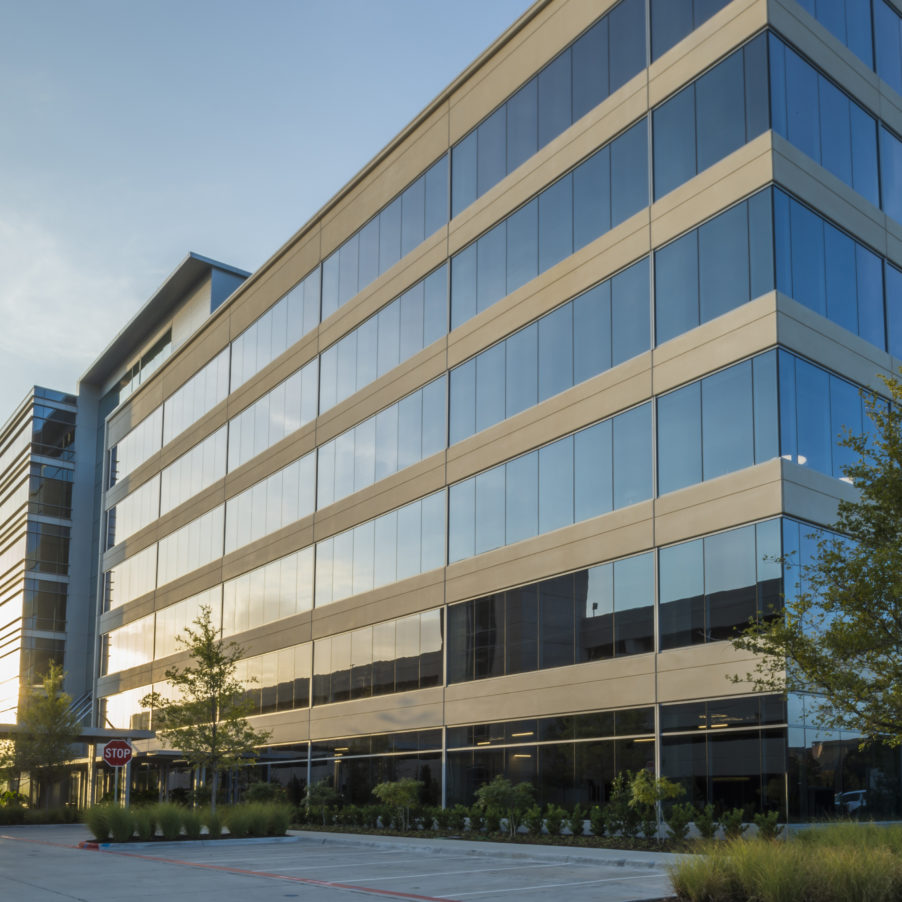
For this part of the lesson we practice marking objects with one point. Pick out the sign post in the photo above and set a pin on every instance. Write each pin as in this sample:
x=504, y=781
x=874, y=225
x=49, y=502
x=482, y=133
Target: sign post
x=116, y=754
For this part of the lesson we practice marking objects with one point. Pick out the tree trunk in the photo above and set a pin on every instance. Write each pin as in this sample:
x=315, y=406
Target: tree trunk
x=215, y=791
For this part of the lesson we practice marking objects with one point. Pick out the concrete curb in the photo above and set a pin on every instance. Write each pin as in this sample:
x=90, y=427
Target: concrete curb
x=94, y=846
x=561, y=854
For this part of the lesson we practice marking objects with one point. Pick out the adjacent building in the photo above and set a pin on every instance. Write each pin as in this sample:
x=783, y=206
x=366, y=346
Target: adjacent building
x=485, y=465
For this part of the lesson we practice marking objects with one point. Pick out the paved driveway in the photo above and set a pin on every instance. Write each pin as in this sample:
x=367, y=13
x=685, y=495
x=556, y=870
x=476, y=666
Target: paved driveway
x=43, y=864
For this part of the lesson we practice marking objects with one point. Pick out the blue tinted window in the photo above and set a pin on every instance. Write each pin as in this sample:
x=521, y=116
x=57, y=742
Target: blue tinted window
x=676, y=287
x=841, y=282
x=436, y=197
x=555, y=223
x=592, y=198
x=413, y=216
x=632, y=456
x=592, y=332
x=629, y=167
x=593, y=493
x=390, y=235
x=802, y=106
x=891, y=173
x=435, y=306
x=681, y=588
x=590, y=69
x=556, y=485
x=491, y=152
x=522, y=246
x=411, y=303
x=888, y=44
x=767, y=423
x=555, y=352
x=836, y=126
x=813, y=417
x=522, y=125
x=490, y=378
x=864, y=155
x=679, y=439
x=845, y=417
x=389, y=336
x=630, y=312
x=463, y=174
x=671, y=21
x=461, y=520
x=522, y=498
x=761, y=244
x=410, y=430
x=807, y=257
x=723, y=251
x=627, y=41
x=894, y=308
x=463, y=401
x=463, y=286
x=522, y=370
x=369, y=252
x=491, y=267
x=727, y=421
x=490, y=497
x=554, y=98
x=673, y=132
x=720, y=111
x=869, y=270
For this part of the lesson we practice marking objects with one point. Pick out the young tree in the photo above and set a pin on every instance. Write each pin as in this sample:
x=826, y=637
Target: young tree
x=402, y=795
x=840, y=633
x=208, y=721
x=47, y=731
x=508, y=800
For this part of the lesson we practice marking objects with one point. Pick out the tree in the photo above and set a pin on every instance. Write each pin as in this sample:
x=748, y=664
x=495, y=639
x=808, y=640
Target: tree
x=506, y=799
x=840, y=632
x=402, y=795
x=208, y=722
x=47, y=729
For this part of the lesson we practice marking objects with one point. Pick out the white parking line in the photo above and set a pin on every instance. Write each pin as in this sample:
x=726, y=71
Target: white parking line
x=543, y=886
x=519, y=867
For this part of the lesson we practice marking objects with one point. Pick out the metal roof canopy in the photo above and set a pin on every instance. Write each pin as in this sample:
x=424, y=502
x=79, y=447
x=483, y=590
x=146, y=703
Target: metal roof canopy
x=93, y=735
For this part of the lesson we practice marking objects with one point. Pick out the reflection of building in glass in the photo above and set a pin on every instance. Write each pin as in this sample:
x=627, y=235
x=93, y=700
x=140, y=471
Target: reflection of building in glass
x=484, y=467
x=37, y=466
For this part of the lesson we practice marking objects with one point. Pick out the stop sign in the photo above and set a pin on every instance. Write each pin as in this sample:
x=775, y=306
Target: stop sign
x=117, y=753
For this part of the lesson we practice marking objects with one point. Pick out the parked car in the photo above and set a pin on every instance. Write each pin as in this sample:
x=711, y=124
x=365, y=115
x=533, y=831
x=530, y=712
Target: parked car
x=850, y=802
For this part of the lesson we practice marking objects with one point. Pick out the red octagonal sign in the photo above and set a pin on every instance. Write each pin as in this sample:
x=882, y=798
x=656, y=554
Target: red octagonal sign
x=117, y=753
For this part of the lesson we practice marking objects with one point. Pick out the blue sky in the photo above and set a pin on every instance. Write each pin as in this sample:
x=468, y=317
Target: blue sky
x=134, y=132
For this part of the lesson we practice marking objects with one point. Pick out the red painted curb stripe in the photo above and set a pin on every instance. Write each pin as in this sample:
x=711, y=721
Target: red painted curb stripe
x=40, y=842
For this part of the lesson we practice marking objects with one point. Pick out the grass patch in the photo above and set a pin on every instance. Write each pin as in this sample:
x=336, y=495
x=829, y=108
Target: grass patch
x=841, y=863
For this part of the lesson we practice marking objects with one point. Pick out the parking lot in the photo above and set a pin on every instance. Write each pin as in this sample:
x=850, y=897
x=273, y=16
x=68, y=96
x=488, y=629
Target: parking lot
x=44, y=864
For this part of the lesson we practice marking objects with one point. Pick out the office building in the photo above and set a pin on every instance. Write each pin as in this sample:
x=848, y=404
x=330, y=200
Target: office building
x=485, y=465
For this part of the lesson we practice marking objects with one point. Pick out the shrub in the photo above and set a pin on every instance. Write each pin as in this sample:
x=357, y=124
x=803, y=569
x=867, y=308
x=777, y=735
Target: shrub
x=705, y=822
x=385, y=817
x=168, y=818
x=279, y=817
x=506, y=800
x=402, y=795
x=98, y=822
x=576, y=820
x=732, y=823
x=257, y=819
x=191, y=823
x=213, y=821
x=554, y=819
x=678, y=820
x=144, y=825
x=237, y=819
x=534, y=820
x=477, y=819
x=442, y=819
x=122, y=823
x=264, y=792
x=457, y=818
x=767, y=825
x=621, y=816
x=597, y=820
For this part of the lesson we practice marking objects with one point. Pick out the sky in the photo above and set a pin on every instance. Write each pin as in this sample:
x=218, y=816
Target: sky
x=134, y=132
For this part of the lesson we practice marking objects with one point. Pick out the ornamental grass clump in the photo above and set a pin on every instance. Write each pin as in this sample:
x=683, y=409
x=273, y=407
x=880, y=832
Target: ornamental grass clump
x=278, y=819
x=168, y=819
x=97, y=819
x=817, y=866
x=122, y=823
x=191, y=823
x=213, y=822
x=144, y=825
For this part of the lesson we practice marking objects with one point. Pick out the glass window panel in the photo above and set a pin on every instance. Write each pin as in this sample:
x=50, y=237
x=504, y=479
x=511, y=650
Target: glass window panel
x=491, y=267
x=723, y=251
x=835, y=129
x=845, y=417
x=730, y=581
x=757, y=114
x=592, y=198
x=436, y=179
x=807, y=257
x=555, y=223
x=556, y=485
x=385, y=555
x=671, y=21
x=764, y=374
x=590, y=69
x=630, y=312
x=592, y=450
x=434, y=417
x=681, y=599
x=390, y=235
x=522, y=630
x=555, y=352
x=627, y=42
x=813, y=426
x=368, y=252
x=871, y=325
x=435, y=308
x=491, y=162
x=894, y=308
x=592, y=332
x=410, y=430
x=462, y=520
x=384, y=657
x=803, y=121
x=632, y=456
x=364, y=537
x=367, y=352
x=676, y=287
x=554, y=98
x=522, y=246
x=727, y=421
x=673, y=127
x=865, y=178
x=595, y=636
x=679, y=439
x=629, y=172
x=490, y=498
x=891, y=173
x=347, y=366
x=409, y=540
x=432, y=553
x=522, y=498
x=365, y=454
x=634, y=605
x=463, y=286
x=347, y=272
x=463, y=173
x=761, y=244
x=841, y=279
x=521, y=365
x=413, y=216
x=720, y=111
x=411, y=321
x=490, y=378
x=463, y=401
x=888, y=44
x=389, y=337
x=556, y=622
x=522, y=125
